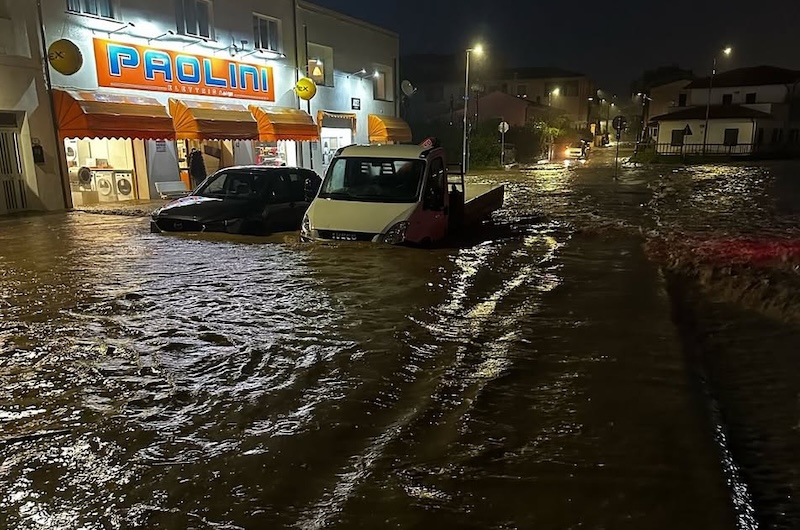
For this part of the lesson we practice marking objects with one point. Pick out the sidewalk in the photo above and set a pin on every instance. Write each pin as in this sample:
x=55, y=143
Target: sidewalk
x=129, y=208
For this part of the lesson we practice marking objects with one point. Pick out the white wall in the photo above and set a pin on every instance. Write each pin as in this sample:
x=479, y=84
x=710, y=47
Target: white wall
x=716, y=131
x=22, y=89
x=764, y=94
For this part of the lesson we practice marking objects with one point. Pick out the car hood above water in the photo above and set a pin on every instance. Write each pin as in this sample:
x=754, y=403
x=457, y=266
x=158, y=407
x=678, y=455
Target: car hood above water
x=205, y=208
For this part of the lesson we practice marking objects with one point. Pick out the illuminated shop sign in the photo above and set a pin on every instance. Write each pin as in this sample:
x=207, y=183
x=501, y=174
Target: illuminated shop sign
x=121, y=65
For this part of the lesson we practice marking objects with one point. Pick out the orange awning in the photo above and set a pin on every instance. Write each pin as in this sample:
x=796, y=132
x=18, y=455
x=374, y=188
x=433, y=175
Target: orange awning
x=279, y=123
x=388, y=129
x=337, y=118
x=201, y=120
x=89, y=114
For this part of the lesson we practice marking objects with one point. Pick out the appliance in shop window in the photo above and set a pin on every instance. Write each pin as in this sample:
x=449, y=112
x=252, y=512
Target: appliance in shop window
x=123, y=181
x=105, y=185
x=81, y=179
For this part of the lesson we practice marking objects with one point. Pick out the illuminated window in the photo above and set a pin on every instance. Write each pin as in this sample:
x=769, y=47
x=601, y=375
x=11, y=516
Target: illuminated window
x=382, y=84
x=98, y=8
x=266, y=33
x=196, y=17
x=320, y=61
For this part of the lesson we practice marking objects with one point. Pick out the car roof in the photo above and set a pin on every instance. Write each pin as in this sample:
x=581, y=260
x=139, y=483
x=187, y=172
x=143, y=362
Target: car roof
x=385, y=151
x=254, y=167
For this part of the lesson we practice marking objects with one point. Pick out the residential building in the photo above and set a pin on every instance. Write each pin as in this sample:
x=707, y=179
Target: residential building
x=137, y=86
x=499, y=106
x=29, y=169
x=750, y=110
x=663, y=98
x=440, y=79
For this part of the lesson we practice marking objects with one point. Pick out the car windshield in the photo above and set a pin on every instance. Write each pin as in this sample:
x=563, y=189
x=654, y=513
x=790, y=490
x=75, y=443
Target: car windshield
x=235, y=184
x=373, y=180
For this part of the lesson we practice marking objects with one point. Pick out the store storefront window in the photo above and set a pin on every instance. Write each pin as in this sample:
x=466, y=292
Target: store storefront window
x=101, y=170
x=280, y=153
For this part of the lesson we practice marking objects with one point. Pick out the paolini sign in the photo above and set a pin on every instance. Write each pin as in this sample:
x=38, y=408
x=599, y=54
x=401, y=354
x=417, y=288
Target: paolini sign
x=122, y=65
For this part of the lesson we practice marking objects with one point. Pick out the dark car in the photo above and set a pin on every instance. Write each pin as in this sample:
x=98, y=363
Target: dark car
x=242, y=200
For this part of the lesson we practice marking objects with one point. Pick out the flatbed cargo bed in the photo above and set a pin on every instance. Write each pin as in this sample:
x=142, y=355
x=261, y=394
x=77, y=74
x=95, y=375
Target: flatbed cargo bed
x=480, y=200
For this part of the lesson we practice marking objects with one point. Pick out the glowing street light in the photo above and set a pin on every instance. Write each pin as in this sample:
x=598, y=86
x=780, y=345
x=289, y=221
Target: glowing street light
x=478, y=50
x=726, y=52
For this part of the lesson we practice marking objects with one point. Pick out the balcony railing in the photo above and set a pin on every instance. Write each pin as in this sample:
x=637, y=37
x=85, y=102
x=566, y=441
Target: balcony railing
x=707, y=149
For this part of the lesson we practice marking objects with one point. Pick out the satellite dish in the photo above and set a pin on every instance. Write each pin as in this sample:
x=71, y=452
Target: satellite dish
x=407, y=88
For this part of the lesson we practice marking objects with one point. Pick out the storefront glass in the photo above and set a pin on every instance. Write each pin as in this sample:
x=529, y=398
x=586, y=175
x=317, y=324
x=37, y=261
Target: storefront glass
x=101, y=170
x=280, y=153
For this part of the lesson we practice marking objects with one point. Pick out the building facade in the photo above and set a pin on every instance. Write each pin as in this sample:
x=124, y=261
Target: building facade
x=440, y=79
x=750, y=111
x=29, y=162
x=141, y=88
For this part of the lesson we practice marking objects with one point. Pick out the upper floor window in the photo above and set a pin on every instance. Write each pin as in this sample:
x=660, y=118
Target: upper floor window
x=382, y=84
x=727, y=99
x=320, y=64
x=98, y=8
x=195, y=17
x=750, y=97
x=266, y=33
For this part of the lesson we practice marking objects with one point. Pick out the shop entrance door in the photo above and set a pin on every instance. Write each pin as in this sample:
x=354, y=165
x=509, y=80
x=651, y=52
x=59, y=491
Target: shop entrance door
x=13, y=191
x=331, y=139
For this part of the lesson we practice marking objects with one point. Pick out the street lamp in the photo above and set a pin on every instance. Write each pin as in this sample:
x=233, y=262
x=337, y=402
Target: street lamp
x=645, y=99
x=478, y=49
x=726, y=52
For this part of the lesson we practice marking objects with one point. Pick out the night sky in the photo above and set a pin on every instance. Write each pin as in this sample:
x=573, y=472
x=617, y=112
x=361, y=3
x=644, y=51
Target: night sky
x=612, y=42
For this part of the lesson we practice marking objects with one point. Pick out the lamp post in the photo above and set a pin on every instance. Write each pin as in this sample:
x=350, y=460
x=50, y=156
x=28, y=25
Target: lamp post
x=464, y=158
x=645, y=99
x=727, y=51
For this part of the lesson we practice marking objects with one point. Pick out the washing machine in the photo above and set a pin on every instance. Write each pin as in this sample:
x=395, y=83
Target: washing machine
x=105, y=185
x=123, y=181
x=81, y=179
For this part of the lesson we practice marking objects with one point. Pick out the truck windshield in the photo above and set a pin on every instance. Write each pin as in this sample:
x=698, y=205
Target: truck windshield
x=373, y=180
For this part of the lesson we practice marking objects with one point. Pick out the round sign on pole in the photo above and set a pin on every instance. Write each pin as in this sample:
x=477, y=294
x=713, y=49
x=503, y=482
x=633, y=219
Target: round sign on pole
x=65, y=57
x=305, y=88
x=503, y=127
x=619, y=122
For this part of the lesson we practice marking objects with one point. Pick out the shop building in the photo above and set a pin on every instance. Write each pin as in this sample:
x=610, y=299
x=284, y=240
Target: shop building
x=152, y=92
x=29, y=163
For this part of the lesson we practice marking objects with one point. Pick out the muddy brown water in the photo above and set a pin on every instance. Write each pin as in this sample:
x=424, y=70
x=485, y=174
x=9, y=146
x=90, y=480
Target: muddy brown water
x=529, y=376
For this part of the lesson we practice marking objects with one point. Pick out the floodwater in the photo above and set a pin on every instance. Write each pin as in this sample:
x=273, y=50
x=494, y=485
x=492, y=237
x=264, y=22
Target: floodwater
x=528, y=377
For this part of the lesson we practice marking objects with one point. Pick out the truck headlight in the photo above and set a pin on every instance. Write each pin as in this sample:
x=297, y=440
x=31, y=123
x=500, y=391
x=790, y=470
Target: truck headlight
x=396, y=234
x=305, y=227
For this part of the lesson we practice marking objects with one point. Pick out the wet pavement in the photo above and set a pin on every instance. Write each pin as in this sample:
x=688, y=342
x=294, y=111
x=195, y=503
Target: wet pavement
x=532, y=376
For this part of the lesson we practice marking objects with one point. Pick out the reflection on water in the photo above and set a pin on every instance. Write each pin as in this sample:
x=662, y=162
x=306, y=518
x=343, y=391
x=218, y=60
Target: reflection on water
x=530, y=378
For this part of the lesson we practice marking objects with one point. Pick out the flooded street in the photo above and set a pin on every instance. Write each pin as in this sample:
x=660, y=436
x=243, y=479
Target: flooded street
x=529, y=377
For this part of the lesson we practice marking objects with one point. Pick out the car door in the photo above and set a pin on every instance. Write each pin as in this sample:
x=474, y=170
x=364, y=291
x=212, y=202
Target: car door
x=434, y=211
x=280, y=208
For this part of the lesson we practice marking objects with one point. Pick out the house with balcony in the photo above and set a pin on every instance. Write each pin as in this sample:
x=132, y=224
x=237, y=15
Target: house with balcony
x=740, y=112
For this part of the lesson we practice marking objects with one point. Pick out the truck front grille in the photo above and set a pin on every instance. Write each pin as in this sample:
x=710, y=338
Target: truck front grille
x=339, y=235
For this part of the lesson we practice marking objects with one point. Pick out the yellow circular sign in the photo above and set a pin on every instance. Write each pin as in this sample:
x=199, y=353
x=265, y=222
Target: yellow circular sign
x=65, y=57
x=305, y=88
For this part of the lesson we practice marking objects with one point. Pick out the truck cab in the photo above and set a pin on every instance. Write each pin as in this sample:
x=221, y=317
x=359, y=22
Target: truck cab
x=387, y=194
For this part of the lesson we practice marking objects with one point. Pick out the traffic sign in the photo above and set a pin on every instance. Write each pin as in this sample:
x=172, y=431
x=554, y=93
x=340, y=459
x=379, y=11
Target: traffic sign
x=503, y=127
x=687, y=131
x=619, y=123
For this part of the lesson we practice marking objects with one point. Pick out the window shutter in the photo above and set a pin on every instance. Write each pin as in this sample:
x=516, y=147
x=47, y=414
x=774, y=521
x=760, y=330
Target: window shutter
x=180, y=17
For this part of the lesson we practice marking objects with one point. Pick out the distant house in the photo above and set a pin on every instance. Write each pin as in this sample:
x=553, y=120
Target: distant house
x=750, y=110
x=439, y=80
x=499, y=106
